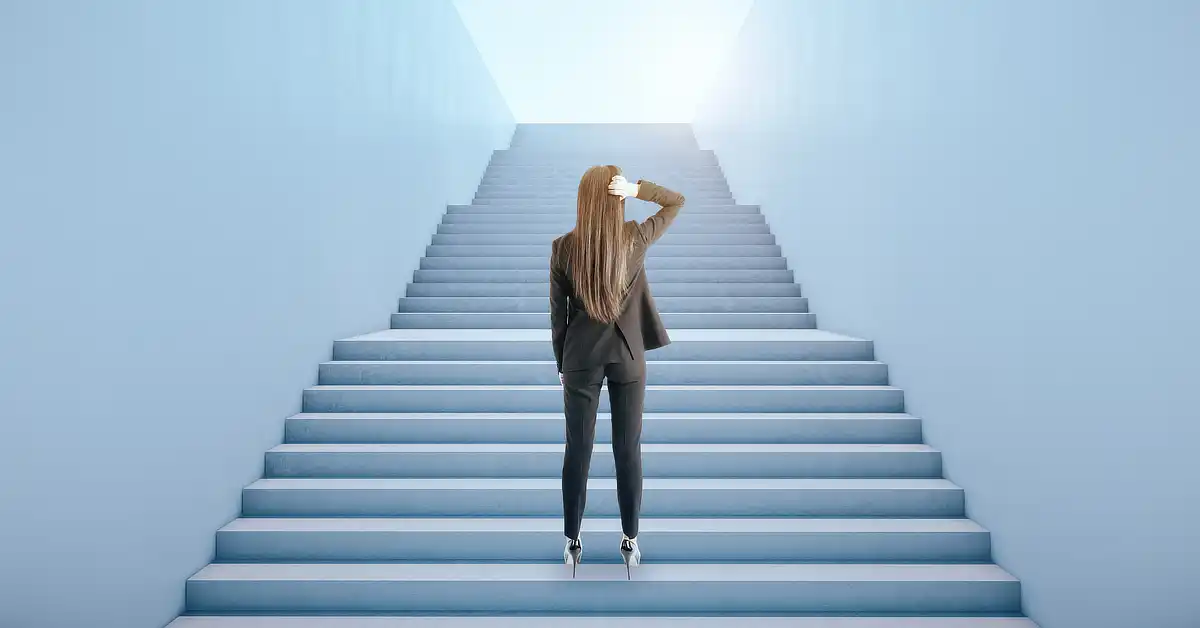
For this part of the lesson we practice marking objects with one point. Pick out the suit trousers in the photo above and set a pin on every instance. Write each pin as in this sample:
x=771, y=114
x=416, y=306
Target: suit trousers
x=581, y=398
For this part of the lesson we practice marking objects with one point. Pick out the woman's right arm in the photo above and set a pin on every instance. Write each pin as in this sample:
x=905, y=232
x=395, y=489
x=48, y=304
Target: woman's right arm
x=655, y=226
x=559, y=291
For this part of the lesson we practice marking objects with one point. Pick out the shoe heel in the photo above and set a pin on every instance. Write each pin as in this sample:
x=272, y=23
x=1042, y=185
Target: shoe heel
x=573, y=555
x=631, y=555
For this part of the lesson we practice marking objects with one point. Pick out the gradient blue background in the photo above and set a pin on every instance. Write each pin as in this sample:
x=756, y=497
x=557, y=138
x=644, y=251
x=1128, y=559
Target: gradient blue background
x=197, y=197
x=1003, y=196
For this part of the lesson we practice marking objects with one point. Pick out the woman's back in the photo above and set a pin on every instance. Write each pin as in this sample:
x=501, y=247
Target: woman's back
x=601, y=307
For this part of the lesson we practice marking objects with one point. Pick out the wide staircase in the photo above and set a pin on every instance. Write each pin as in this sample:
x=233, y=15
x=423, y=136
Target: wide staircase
x=784, y=483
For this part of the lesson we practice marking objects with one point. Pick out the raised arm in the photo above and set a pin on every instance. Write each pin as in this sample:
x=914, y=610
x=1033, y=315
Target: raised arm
x=655, y=226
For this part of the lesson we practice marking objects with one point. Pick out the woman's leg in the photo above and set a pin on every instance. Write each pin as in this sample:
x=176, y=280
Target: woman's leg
x=581, y=396
x=626, y=393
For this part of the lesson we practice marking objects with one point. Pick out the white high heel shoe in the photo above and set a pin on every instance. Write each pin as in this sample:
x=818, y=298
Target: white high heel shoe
x=631, y=554
x=573, y=554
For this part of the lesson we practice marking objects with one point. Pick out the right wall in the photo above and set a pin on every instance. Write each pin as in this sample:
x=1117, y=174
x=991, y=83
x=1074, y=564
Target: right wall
x=1002, y=194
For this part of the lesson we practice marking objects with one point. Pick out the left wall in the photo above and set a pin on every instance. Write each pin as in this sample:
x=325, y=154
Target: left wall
x=196, y=198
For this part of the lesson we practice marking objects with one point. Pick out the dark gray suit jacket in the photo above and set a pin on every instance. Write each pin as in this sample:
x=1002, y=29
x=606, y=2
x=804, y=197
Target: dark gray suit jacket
x=581, y=342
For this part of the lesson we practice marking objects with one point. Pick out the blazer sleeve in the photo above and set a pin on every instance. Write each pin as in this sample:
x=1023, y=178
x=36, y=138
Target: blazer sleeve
x=655, y=226
x=559, y=293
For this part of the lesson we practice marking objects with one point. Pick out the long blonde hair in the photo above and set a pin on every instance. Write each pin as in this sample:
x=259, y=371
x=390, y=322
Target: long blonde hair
x=597, y=254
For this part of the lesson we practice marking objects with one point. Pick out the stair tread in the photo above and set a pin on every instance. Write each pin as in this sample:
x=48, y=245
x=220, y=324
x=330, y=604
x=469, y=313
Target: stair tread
x=552, y=387
x=597, y=621
x=682, y=284
x=605, y=524
x=557, y=448
x=543, y=335
x=663, y=572
x=649, y=416
x=448, y=483
x=662, y=362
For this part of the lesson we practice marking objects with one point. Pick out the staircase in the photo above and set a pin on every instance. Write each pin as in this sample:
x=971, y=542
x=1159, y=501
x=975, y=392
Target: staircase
x=785, y=485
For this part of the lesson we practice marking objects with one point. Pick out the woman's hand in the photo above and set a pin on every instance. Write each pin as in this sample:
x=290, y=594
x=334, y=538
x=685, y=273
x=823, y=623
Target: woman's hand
x=560, y=380
x=620, y=187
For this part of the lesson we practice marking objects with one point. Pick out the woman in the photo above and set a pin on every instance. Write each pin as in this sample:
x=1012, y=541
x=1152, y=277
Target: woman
x=603, y=321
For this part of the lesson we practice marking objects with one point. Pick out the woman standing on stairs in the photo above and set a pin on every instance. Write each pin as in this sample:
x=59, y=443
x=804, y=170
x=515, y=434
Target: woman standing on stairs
x=603, y=321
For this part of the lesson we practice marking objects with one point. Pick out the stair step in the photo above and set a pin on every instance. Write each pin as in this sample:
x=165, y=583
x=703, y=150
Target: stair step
x=545, y=239
x=683, y=181
x=571, y=177
x=492, y=216
x=662, y=170
x=567, y=204
x=525, y=190
x=563, y=186
x=492, y=427
x=661, y=497
x=657, y=276
x=652, y=263
x=545, y=373
x=658, y=250
x=645, y=167
x=555, y=228
x=655, y=588
x=534, y=320
x=544, y=460
x=599, y=621
x=537, y=539
x=550, y=398
x=570, y=200
x=541, y=304
x=611, y=138
x=675, y=171
x=534, y=344
x=552, y=209
x=542, y=290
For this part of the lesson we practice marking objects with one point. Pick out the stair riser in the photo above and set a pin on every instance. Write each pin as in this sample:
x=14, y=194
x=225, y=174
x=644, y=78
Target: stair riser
x=570, y=199
x=757, y=351
x=542, y=263
x=696, y=502
x=659, y=250
x=559, y=187
x=551, y=400
x=642, y=168
x=672, y=320
x=668, y=170
x=567, y=186
x=674, y=171
x=542, y=290
x=436, y=428
x=600, y=546
x=568, y=203
x=489, y=216
x=665, y=304
x=594, y=596
x=527, y=464
x=559, y=209
x=545, y=239
x=659, y=373
x=556, y=228
x=599, y=621
x=656, y=276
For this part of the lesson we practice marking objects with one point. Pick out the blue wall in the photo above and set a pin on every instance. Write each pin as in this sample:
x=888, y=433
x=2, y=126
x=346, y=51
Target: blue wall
x=1003, y=194
x=197, y=197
